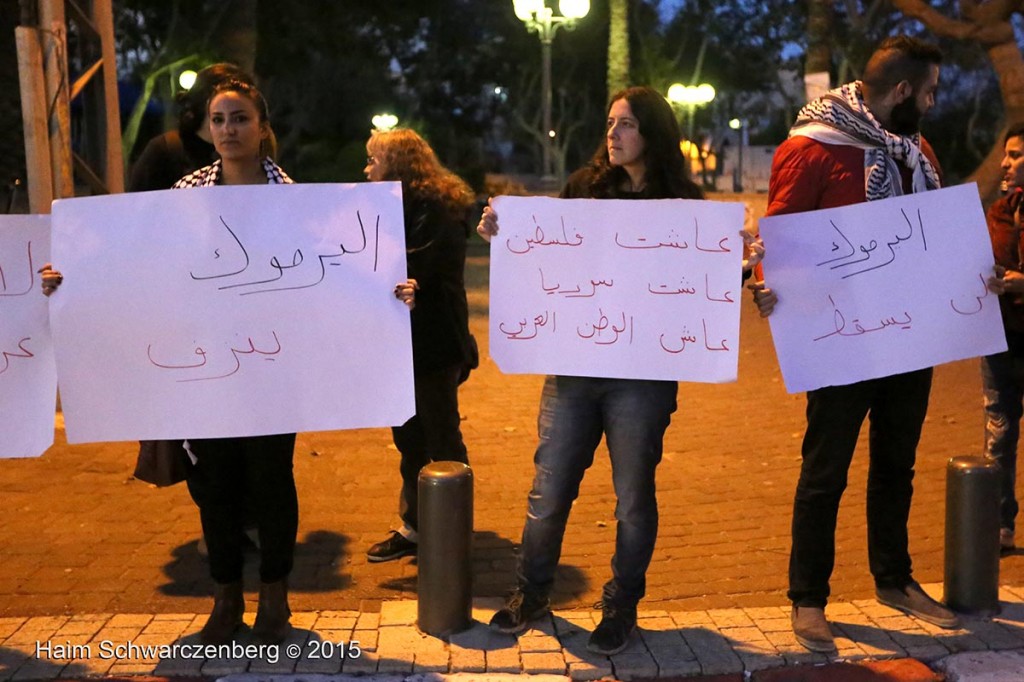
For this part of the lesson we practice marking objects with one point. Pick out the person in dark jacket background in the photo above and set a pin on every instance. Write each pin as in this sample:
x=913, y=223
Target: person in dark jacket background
x=436, y=203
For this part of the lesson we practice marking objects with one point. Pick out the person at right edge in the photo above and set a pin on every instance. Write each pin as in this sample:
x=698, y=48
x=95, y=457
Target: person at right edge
x=1002, y=374
x=859, y=142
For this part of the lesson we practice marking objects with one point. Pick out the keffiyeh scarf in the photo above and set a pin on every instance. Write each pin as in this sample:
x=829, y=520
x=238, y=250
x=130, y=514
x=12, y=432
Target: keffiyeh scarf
x=840, y=117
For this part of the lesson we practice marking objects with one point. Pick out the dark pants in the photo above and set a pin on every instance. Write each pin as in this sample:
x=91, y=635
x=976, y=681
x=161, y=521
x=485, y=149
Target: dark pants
x=232, y=470
x=897, y=406
x=1002, y=379
x=433, y=434
x=574, y=413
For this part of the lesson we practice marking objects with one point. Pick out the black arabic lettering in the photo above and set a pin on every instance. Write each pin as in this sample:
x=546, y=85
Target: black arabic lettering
x=872, y=246
x=835, y=247
x=216, y=252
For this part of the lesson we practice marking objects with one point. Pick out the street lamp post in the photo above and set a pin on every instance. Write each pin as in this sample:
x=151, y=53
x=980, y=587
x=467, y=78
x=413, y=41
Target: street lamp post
x=740, y=125
x=542, y=20
x=690, y=97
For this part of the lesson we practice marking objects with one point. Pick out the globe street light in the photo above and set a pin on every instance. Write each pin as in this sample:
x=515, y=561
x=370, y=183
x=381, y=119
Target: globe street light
x=542, y=20
x=187, y=78
x=690, y=97
x=384, y=122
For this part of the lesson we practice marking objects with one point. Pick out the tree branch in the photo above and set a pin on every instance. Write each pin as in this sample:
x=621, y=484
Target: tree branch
x=990, y=31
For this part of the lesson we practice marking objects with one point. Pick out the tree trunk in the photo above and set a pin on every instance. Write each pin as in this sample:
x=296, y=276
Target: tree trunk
x=991, y=25
x=12, y=141
x=819, y=28
x=237, y=34
x=618, y=46
x=819, y=52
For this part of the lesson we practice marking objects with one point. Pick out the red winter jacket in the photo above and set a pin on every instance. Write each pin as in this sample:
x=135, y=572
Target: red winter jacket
x=1007, y=249
x=808, y=175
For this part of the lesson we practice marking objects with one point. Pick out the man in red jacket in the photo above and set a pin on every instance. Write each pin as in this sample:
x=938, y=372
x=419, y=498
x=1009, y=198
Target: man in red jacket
x=859, y=142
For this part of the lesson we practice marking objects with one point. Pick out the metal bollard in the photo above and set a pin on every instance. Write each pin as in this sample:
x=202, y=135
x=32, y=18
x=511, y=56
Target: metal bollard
x=972, y=535
x=445, y=548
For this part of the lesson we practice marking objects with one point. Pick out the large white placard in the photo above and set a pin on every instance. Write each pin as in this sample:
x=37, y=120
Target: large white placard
x=28, y=375
x=231, y=311
x=879, y=288
x=617, y=288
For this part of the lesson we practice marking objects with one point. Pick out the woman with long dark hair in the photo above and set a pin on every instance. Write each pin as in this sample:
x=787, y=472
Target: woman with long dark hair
x=436, y=202
x=638, y=159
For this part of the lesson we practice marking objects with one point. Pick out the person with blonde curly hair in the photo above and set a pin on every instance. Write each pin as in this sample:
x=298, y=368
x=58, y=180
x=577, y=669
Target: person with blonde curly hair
x=436, y=205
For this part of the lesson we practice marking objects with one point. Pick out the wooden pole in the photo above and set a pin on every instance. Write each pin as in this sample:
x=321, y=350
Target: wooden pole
x=103, y=20
x=33, y=116
x=57, y=107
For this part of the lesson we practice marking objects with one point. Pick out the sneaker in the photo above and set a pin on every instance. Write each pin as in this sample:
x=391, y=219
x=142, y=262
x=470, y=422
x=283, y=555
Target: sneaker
x=913, y=601
x=612, y=634
x=812, y=630
x=520, y=609
x=1006, y=539
x=395, y=547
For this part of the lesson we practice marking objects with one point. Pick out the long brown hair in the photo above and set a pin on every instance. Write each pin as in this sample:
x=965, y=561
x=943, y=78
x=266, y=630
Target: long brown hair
x=664, y=165
x=408, y=158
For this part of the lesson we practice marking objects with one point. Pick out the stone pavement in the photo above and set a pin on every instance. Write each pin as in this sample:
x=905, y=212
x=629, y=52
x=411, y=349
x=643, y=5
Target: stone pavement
x=668, y=644
x=79, y=536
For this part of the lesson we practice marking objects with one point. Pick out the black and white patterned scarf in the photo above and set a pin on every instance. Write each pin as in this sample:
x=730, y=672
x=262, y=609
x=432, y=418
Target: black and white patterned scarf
x=840, y=117
x=209, y=176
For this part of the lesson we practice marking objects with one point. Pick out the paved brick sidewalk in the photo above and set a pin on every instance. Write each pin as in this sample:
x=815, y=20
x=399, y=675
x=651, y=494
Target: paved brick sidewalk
x=668, y=644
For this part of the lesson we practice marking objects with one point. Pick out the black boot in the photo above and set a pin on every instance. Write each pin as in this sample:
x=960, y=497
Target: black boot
x=272, y=624
x=226, y=616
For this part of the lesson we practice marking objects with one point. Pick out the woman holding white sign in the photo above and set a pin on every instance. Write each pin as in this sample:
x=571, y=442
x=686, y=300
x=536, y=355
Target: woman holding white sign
x=639, y=158
x=232, y=470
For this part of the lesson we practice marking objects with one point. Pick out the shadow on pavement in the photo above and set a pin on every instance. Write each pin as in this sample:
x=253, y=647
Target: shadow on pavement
x=28, y=667
x=319, y=559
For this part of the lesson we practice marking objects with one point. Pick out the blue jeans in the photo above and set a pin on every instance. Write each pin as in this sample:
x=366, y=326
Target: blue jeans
x=574, y=413
x=1002, y=381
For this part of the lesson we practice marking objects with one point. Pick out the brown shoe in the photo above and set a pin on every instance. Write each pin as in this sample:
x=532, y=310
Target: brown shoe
x=272, y=624
x=913, y=601
x=812, y=630
x=226, y=616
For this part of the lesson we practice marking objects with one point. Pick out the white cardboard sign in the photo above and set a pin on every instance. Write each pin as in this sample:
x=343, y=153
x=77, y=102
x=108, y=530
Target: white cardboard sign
x=231, y=311
x=28, y=375
x=617, y=288
x=880, y=288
